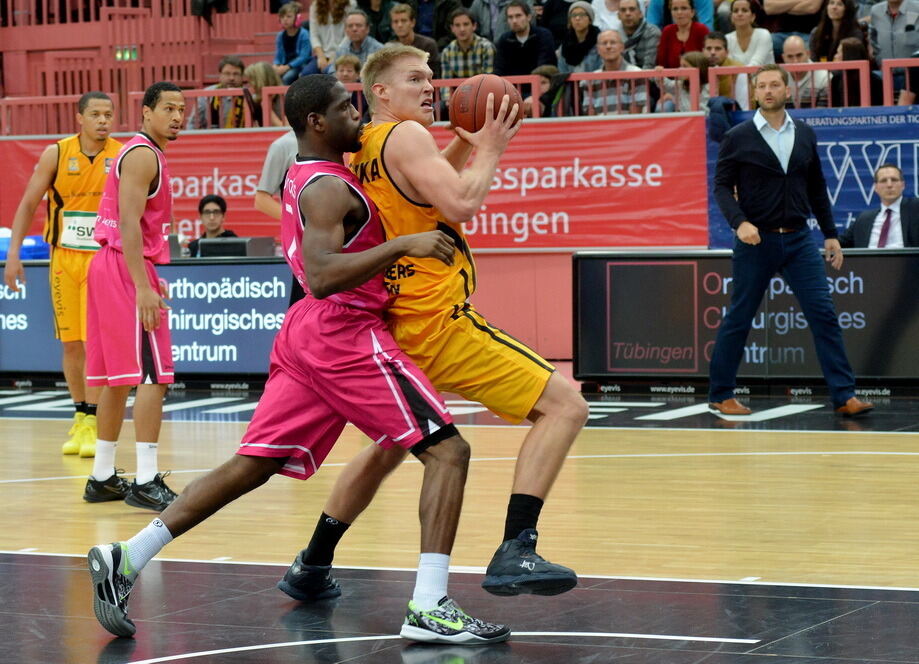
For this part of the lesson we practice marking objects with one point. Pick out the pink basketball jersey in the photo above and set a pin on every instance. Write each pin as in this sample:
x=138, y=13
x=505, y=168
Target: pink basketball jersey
x=371, y=295
x=157, y=217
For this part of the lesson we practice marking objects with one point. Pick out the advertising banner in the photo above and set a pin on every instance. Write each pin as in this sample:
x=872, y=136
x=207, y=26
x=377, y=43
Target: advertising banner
x=852, y=143
x=658, y=315
x=223, y=318
x=594, y=182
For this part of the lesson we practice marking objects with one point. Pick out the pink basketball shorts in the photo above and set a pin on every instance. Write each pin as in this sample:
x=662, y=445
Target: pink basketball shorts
x=118, y=350
x=332, y=364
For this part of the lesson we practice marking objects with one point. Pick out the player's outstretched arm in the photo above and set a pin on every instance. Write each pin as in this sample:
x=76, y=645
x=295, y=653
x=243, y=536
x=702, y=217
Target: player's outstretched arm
x=38, y=184
x=139, y=171
x=327, y=205
x=415, y=159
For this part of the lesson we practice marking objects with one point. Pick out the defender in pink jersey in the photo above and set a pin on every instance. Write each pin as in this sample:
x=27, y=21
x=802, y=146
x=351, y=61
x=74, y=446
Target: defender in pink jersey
x=333, y=361
x=128, y=342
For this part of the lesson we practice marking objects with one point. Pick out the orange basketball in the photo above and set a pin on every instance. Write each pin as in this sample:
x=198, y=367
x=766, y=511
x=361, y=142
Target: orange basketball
x=467, y=102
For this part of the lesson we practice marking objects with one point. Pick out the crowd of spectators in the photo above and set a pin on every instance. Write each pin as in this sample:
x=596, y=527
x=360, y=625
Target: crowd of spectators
x=557, y=38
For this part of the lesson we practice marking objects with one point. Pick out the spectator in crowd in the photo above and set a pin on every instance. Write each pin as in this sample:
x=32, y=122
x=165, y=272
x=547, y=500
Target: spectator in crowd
x=524, y=47
x=723, y=15
x=806, y=89
x=684, y=35
x=641, y=38
x=293, y=53
x=468, y=54
x=262, y=75
x=790, y=17
x=378, y=14
x=735, y=87
x=357, y=41
x=612, y=97
x=748, y=44
x=348, y=70
x=327, y=29
x=676, y=94
x=895, y=224
x=845, y=87
x=549, y=92
x=403, y=21
x=432, y=18
x=213, y=211
x=578, y=51
x=553, y=15
x=607, y=14
x=660, y=14
x=491, y=17
x=894, y=33
x=221, y=112
x=838, y=20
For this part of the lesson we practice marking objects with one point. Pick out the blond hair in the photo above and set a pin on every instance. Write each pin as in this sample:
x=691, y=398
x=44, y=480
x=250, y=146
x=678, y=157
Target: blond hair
x=261, y=75
x=382, y=61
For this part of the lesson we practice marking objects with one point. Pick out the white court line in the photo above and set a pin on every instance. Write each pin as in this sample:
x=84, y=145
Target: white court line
x=797, y=432
x=390, y=637
x=195, y=403
x=461, y=569
x=239, y=408
x=23, y=397
x=656, y=455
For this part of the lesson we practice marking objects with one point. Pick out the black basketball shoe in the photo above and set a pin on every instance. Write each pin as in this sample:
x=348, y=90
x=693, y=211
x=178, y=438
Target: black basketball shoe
x=153, y=495
x=114, y=488
x=309, y=583
x=517, y=569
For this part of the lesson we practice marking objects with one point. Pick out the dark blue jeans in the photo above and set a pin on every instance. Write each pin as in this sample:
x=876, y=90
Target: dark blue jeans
x=795, y=257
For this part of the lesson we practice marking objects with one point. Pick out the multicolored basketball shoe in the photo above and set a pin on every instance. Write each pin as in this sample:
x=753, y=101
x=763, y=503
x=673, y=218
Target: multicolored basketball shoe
x=113, y=580
x=448, y=623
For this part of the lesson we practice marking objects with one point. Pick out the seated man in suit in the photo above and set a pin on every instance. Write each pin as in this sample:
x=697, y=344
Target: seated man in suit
x=892, y=226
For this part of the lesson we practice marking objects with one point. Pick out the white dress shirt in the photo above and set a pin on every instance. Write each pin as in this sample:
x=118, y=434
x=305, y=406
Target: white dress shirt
x=895, y=234
x=782, y=141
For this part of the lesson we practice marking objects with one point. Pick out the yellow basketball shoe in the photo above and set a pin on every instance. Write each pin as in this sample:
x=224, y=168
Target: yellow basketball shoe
x=72, y=446
x=88, y=437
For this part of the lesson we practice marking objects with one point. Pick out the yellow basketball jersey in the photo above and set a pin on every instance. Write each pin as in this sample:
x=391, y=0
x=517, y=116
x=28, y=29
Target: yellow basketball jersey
x=75, y=193
x=420, y=286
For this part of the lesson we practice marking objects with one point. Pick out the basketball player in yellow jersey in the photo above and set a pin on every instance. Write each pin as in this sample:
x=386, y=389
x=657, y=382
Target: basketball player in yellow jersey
x=419, y=188
x=72, y=172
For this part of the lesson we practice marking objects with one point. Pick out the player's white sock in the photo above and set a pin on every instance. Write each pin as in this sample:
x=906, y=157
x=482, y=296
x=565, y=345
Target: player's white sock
x=146, y=462
x=431, y=582
x=104, y=462
x=147, y=543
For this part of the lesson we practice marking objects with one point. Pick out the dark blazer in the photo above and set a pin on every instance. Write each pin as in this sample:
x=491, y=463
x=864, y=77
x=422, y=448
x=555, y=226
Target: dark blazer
x=515, y=59
x=858, y=234
x=767, y=196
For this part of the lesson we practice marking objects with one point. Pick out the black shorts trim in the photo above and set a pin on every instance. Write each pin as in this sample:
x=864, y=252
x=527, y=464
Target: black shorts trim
x=148, y=373
x=431, y=440
x=523, y=350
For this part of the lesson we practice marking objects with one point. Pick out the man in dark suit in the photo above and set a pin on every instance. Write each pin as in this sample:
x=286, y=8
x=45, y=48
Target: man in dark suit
x=772, y=163
x=895, y=224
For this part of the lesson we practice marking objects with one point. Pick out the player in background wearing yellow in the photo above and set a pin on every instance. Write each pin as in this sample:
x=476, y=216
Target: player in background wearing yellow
x=72, y=171
x=417, y=187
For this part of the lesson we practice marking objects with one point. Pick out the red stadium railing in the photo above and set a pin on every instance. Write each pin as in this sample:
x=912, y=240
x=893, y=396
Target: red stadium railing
x=19, y=13
x=887, y=71
x=583, y=90
x=819, y=95
x=53, y=114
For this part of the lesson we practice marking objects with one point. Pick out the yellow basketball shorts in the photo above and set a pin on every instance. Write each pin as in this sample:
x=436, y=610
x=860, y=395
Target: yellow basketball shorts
x=67, y=277
x=461, y=352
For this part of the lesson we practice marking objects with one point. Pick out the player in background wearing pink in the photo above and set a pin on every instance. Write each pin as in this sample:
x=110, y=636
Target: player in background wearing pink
x=333, y=361
x=128, y=343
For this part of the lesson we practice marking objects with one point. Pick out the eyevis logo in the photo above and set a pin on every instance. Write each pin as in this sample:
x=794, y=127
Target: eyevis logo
x=852, y=165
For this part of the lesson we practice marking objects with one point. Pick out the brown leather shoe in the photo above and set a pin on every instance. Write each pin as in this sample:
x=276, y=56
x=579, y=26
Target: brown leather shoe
x=854, y=407
x=730, y=407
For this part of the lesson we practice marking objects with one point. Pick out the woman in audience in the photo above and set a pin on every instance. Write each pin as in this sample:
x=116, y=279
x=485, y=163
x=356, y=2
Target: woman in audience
x=578, y=51
x=327, y=28
x=748, y=44
x=838, y=21
x=262, y=75
x=682, y=36
x=676, y=94
x=844, y=87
